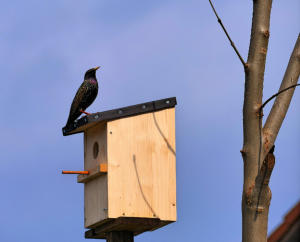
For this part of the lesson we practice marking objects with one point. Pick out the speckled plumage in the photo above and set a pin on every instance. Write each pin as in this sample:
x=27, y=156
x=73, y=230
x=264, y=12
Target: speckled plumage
x=85, y=95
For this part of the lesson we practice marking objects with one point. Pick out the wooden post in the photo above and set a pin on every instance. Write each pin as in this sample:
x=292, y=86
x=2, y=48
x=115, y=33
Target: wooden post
x=119, y=236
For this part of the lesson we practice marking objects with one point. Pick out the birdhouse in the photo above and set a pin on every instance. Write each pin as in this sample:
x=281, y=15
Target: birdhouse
x=129, y=168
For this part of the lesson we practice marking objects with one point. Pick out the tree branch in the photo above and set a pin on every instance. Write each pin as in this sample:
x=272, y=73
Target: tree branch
x=275, y=95
x=282, y=102
x=231, y=42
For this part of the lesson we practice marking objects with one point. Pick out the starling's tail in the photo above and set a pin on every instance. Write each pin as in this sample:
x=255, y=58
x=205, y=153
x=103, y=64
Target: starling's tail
x=69, y=122
x=72, y=117
x=67, y=127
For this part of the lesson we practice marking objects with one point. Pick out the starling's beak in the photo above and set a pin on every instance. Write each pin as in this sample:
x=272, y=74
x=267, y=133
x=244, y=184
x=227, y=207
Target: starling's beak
x=96, y=68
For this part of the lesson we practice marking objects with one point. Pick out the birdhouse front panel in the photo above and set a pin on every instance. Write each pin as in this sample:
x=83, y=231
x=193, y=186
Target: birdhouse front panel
x=141, y=166
x=95, y=191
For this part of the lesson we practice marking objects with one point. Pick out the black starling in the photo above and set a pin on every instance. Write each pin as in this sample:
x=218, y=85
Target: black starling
x=85, y=95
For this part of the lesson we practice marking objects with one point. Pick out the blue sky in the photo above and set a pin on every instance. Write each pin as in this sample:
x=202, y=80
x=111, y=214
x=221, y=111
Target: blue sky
x=148, y=50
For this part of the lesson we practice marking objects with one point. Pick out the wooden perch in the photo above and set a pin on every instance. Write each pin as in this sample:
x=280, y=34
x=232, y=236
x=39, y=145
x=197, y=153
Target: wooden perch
x=98, y=171
x=85, y=176
x=75, y=172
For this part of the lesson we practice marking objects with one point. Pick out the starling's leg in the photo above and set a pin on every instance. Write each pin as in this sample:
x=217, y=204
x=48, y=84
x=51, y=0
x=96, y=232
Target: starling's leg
x=84, y=112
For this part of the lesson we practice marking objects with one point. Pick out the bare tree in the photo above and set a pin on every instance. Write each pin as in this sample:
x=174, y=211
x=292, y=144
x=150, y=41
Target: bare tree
x=258, y=145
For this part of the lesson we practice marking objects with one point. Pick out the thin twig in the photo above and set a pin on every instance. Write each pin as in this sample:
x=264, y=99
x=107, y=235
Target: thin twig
x=275, y=95
x=231, y=42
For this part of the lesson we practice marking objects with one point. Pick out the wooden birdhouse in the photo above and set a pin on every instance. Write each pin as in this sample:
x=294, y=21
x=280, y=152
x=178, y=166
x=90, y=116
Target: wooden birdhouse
x=130, y=166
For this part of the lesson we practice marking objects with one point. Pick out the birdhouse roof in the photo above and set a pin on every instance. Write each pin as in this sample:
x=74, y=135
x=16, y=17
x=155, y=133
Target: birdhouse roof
x=90, y=120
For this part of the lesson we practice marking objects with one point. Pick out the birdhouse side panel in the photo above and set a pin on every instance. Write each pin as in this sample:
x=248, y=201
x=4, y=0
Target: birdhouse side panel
x=142, y=166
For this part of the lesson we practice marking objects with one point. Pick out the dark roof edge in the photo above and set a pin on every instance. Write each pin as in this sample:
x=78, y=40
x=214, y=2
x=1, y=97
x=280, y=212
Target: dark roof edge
x=78, y=126
x=289, y=220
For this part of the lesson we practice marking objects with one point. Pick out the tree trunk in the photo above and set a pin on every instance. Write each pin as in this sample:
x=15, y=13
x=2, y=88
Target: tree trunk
x=256, y=198
x=258, y=145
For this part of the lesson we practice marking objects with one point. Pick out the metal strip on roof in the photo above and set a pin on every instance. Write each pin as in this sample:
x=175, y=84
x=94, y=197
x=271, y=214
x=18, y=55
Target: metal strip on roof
x=90, y=120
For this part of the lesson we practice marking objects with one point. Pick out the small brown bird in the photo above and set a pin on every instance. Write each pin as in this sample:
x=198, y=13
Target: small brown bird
x=85, y=95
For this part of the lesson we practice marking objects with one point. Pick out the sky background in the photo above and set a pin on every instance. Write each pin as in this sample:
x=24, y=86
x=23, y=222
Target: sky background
x=148, y=50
